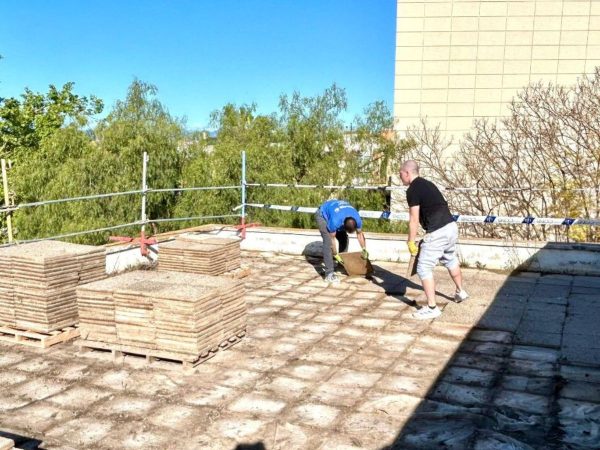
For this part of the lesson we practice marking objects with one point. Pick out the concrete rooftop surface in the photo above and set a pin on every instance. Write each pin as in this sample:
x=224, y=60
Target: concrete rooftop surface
x=338, y=367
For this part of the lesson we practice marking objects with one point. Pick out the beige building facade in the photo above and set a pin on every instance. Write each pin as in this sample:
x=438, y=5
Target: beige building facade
x=457, y=60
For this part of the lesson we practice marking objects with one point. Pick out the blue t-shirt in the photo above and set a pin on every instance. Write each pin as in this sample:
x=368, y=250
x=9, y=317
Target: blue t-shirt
x=336, y=211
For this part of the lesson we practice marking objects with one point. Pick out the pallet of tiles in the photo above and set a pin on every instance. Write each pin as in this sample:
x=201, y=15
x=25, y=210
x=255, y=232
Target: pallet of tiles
x=36, y=339
x=201, y=254
x=168, y=315
x=151, y=355
x=37, y=291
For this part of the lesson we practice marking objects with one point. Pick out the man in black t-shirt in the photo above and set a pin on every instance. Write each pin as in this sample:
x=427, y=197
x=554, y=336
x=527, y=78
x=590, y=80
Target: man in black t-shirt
x=428, y=208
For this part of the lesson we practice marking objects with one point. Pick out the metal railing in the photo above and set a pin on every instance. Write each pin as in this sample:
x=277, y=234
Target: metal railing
x=8, y=209
x=145, y=190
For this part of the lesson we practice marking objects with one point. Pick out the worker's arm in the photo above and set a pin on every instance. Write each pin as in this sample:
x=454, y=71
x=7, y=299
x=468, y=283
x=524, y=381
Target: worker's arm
x=413, y=223
x=413, y=228
x=361, y=239
x=333, y=241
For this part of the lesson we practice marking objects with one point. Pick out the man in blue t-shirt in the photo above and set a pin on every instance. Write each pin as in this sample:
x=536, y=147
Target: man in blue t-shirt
x=337, y=218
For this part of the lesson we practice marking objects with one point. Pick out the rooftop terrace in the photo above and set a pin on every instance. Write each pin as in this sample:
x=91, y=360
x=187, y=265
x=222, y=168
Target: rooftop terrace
x=338, y=367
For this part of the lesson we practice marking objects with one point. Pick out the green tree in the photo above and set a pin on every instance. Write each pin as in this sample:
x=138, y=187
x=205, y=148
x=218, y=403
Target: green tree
x=71, y=164
x=26, y=122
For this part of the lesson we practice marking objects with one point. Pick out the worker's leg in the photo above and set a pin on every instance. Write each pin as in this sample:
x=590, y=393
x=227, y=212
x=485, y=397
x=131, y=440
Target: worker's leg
x=327, y=254
x=429, y=288
x=430, y=252
x=450, y=260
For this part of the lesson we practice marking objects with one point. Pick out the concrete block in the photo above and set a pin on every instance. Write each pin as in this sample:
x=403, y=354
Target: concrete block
x=460, y=394
x=126, y=406
x=503, y=320
x=10, y=377
x=79, y=397
x=285, y=388
x=257, y=404
x=485, y=348
x=530, y=368
x=577, y=373
x=535, y=353
x=85, y=431
x=336, y=395
x=316, y=415
x=500, y=337
x=213, y=395
x=537, y=338
x=240, y=428
x=354, y=378
x=580, y=423
x=417, y=387
x=8, y=358
x=531, y=324
x=238, y=378
x=483, y=362
x=437, y=432
x=531, y=403
x=530, y=384
x=310, y=372
x=584, y=355
x=475, y=377
x=40, y=388
x=579, y=390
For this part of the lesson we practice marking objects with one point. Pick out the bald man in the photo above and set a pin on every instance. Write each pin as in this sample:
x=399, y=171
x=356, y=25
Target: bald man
x=428, y=208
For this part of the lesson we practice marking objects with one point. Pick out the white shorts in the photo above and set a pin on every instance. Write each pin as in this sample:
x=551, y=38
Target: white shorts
x=439, y=245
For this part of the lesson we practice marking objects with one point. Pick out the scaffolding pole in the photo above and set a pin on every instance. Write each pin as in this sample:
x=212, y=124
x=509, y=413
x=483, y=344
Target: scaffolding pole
x=7, y=201
x=243, y=212
x=143, y=218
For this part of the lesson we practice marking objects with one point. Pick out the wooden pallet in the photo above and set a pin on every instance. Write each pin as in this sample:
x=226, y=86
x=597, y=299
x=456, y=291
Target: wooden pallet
x=238, y=274
x=119, y=350
x=232, y=340
x=36, y=338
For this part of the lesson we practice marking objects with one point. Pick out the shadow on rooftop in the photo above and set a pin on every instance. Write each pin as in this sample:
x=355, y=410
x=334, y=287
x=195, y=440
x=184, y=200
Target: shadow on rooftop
x=22, y=442
x=518, y=379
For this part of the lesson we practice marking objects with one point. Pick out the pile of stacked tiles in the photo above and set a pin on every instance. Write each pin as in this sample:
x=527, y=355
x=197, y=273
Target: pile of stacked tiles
x=183, y=314
x=7, y=292
x=43, y=277
x=201, y=254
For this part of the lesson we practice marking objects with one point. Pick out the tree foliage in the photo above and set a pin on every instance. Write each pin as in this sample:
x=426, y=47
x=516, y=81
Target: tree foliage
x=26, y=122
x=56, y=155
x=543, y=160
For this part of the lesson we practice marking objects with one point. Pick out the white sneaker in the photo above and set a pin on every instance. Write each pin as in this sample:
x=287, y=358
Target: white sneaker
x=426, y=313
x=332, y=278
x=461, y=296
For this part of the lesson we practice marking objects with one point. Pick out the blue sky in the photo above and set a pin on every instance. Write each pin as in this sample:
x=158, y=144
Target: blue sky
x=201, y=54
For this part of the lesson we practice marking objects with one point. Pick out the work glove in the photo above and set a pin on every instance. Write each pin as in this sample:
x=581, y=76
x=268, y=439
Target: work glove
x=364, y=254
x=338, y=258
x=412, y=248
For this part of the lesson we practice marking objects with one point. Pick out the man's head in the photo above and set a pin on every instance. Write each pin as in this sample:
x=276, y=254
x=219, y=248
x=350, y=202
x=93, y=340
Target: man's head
x=409, y=171
x=349, y=225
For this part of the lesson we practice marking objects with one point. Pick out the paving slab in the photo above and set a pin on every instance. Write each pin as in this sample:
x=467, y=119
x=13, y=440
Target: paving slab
x=338, y=367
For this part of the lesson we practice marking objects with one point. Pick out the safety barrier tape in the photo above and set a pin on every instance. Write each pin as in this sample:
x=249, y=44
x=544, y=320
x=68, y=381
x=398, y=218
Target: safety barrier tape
x=461, y=218
x=403, y=188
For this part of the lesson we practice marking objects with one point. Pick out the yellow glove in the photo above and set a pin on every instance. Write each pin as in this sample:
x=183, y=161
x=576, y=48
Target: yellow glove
x=413, y=248
x=338, y=258
x=364, y=254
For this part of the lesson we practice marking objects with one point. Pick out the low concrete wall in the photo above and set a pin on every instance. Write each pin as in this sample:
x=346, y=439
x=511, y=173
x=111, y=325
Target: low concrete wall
x=491, y=254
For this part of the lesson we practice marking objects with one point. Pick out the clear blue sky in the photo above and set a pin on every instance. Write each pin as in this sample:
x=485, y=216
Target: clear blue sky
x=201, y=54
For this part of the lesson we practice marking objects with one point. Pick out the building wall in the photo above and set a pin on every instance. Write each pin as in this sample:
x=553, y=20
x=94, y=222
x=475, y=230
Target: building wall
x=457, y=60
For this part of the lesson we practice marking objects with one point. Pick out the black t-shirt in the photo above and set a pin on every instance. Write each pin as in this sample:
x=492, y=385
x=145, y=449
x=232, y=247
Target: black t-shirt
x=433, y=208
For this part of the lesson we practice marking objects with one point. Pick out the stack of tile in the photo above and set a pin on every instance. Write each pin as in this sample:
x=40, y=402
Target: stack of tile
x=176, y=312
x=96, y=306
x=44, y=276
x=7, y=294
x=201, y=254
